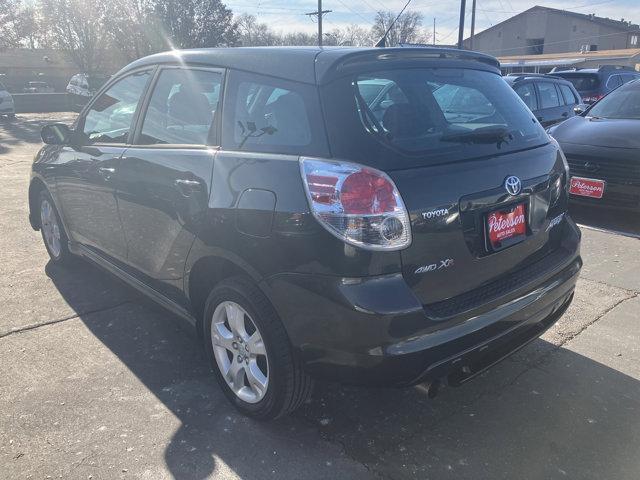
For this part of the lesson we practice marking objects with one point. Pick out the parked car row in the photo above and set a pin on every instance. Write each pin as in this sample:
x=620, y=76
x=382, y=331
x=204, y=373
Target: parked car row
x=600, y=140
x=372, y=216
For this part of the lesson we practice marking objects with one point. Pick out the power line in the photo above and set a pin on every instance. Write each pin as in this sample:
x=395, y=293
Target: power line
x=356, y=12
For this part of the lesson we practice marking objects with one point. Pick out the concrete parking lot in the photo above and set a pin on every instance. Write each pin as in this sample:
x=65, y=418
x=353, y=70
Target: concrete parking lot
x=98, y=382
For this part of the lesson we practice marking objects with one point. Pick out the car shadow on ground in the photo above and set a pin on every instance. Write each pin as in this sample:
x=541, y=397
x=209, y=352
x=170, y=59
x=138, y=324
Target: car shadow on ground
x=26, y=130
x=567, y=413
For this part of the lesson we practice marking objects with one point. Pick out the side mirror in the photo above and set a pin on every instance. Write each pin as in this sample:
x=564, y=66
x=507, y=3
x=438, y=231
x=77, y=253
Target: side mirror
x=56, y=134
x=580, y=108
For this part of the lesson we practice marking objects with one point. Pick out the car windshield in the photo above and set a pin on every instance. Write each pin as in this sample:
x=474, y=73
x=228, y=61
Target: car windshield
x=583, y=83
x=621, y=103
x=439, y=110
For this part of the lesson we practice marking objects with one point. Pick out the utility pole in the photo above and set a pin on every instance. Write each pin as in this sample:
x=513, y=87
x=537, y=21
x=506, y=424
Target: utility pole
x=434, y=31
x=463, y=7
x=473, y=24
x=319, y=13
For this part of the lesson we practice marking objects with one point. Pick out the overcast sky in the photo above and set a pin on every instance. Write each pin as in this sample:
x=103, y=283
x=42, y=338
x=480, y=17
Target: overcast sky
x=287, y=15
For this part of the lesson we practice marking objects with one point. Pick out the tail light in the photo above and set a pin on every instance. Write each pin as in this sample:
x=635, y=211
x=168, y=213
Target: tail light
x=592, y=99
x=359, y=205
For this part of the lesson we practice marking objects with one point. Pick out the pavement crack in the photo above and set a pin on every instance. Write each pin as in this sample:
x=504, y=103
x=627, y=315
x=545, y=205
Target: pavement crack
x=571, y=336
x=35, y=326
x=583, y=277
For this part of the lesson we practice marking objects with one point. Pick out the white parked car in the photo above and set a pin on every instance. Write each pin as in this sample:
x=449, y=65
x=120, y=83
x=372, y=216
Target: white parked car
x=38, y=87
x=7, y=107
x=82, y=87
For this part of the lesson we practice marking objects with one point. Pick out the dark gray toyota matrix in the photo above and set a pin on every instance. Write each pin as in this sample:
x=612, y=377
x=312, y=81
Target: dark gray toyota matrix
x=371, y=216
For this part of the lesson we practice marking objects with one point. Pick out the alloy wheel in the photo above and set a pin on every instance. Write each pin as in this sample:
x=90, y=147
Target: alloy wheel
x=240, y=352
x=50, y=228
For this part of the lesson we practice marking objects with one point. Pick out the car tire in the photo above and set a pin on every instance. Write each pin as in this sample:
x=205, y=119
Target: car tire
x=53, y=234
x=263, y=387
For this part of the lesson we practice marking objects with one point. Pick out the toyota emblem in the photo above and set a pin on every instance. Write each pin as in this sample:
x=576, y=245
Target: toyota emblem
x=513, y=185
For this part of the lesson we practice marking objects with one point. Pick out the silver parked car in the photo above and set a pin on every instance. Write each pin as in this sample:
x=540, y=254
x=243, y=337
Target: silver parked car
x=7, y=107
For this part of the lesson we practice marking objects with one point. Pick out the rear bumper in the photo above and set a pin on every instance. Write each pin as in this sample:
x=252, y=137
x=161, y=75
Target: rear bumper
x=374, y=331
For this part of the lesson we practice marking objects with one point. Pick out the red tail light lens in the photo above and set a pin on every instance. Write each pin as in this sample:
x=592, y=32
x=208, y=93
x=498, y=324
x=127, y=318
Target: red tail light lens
x=364, y=192
x=592, y=99
x=360, y=205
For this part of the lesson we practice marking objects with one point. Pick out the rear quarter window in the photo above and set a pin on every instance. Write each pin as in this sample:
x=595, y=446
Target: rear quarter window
x=264, y=114
x=569, y=96
x=527, y=93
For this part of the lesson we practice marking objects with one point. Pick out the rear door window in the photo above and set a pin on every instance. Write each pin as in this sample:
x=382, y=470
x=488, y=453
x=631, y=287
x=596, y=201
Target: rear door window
x=527, y=93
x=549, y=96
x=182, y=107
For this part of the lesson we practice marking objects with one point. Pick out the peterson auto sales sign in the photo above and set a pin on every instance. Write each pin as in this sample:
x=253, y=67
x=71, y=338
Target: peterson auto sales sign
x=586, y=187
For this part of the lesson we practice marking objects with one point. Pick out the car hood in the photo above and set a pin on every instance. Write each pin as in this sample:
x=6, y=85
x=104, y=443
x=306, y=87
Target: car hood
x=598, y=132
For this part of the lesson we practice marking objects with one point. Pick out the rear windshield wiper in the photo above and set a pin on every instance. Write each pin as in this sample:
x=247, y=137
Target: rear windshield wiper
x=497, y=135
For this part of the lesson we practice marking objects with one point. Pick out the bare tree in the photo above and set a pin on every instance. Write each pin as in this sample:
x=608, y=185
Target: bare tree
x=351, y=35
x=196, y=23
x=29, y=26
x=407, y=29
x=9, y=36
x=298, y=38
x=79, y=28
x=134, y=28
x=252, y=33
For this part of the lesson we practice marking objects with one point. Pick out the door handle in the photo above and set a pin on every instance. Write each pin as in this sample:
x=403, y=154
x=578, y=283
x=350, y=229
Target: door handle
x=187, y=187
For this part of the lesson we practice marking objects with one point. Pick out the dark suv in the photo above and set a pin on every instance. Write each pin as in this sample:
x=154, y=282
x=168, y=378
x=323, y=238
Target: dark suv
x=551, y=99
x=595, y=83
x=256, y=194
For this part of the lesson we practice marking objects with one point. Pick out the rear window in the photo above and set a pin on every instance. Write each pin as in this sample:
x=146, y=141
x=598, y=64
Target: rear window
x=444, y=110
x=623, y=103
x=584, y=82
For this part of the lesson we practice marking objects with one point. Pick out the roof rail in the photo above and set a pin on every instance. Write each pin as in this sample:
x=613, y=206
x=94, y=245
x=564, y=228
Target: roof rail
x=603, y=68
x=522, y=76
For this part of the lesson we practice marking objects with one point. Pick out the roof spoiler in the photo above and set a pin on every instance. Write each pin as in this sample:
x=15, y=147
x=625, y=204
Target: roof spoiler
x=417, y=52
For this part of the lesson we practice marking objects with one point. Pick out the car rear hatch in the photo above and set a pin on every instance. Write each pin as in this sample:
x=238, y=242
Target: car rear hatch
x=453, y=136
x=587, y=84
x=450, y=209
